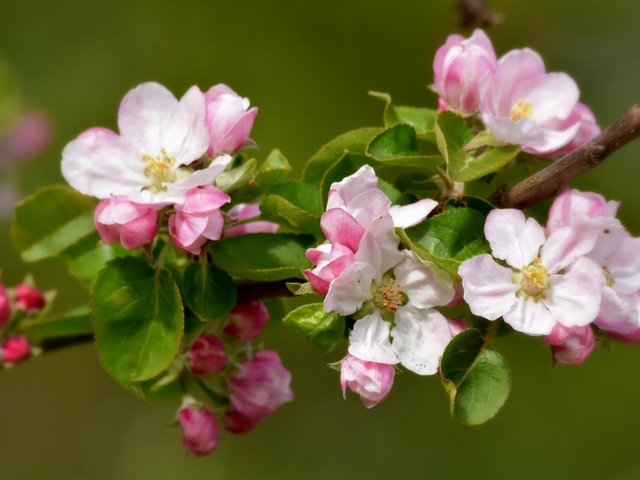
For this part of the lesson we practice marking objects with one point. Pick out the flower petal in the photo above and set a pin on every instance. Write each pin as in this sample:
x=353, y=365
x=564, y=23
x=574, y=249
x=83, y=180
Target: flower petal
x=409, y=215
x=617, y=313
x=424, y=287
x=350, y=290
x=513, y=237
x=379, y=246
x=369, y=340
x=567, y=244
x=530, y=316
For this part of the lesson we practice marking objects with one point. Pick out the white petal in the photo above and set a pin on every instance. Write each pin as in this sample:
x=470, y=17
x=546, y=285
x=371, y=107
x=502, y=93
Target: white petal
x=379, y=246
x=408, y=215
x=344, y=191
x=617, y=313
x=352, y=287
x=488, y=287
x=419, y=339
x=513, y=237
x=567, y=244
x=574, y=298
x=206, y=176
x=530, y=317
x=624, y=266
x=424, y=287
x=369, y=340
x=196, y=141
x=101, y=164
x=553, y=95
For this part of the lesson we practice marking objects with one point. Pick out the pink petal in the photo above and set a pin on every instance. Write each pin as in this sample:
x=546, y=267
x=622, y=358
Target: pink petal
x=408, y=215
x=567, y=244
x=513, y=237
x=530, y=316
x=340, y=227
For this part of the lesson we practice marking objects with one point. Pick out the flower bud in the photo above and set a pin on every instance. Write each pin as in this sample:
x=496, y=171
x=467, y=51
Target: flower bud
x=198, y=219
x=28, y=298
x=206, y=356
x=329, y=260
x=235, y=422
x=459, y=67
x=15, y=350
x=120, y=221
x=371, y=380
x=571, y=345
x=247, y=320
x=229, y=120
x=5, y=307
x=260, y=386
x=573, y=205
x=199, y=428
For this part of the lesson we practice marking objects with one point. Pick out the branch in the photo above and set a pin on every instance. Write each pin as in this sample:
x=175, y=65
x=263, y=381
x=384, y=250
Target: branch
x=548, y=181
x=474, y=13
x=53, y=344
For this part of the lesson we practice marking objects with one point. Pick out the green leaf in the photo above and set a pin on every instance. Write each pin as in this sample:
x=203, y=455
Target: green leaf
x=323, y=329
x=475, y=376
x=449, y=238
x=452, y=134
x=490, y=161
x=423, y=120
x=273, y=170
x=483, y=139
x=341, y=168
x=354, y=142
x=86, y=265
x=237, y=177
x=138, y=318
x=263, y=256
x=208, y=291
x=70, y=324
x=295, y=204
x=51, y=222
x=398, y=146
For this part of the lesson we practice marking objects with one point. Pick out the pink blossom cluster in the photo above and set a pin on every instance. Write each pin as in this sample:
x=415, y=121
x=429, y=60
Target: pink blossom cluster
x=363, y=273
x=164, y=162
x=519, y=102
x=581, y=271
x=17, y=303
x=253, y=384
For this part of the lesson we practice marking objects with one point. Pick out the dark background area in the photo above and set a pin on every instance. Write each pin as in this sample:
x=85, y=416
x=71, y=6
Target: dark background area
x=308, y=67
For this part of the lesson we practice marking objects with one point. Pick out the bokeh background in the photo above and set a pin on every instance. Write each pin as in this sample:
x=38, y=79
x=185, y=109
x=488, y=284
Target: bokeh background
x=308, y=66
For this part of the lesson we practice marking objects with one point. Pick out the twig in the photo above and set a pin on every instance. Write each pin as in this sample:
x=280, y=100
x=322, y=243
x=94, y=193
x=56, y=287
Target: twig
x=548, y=181
x=53, y=344
x=474, y=13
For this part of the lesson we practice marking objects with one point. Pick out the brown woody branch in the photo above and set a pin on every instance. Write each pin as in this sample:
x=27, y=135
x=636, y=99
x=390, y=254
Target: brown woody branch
x=475, y=13
x=548, y=181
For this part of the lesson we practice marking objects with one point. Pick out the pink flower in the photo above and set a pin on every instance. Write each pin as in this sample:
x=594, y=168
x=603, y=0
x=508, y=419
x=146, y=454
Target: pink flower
x=235, y=422
x=246, y=211
x=260, y=386
x=571, y=345
x=460, y=67
x=206, y=355
x=198, y=219
x=5, y=306
x=15, y=350
x=154, y=159
x=120, y=221
x=229, y=120
x=199, y=428
x=29, y=299
x=456, y=326
x=524, y=105
x=588, y=130
x=247, y=320
x=549, y=280
x=372, y=381
x=329, y=260
x=573, y=206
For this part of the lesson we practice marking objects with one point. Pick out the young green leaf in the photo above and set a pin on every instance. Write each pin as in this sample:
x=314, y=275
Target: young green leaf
x=398, y=146
x=72, y=323
x=263, y=256
x=294, y=204
x=237, y=177
x=273, y=170
x=488, y=162
x=341, y=168
x=138, y=318
x=449, y=238
x=51, y=222
x=208, y=291
x=323, y=329
x=422, y=119
x=475, y=376
x=452, y=135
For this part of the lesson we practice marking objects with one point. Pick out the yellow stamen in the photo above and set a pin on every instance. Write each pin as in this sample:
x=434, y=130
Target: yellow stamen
x=159, y=169
x=535, y=278
x=388, y=295
x=521, y=109
x=607, y=277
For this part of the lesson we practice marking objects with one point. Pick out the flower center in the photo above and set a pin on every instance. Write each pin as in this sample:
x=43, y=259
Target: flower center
x=388, y=295
x=609, y=280
x=535, y=279
x=159, y=169
x=521, y=109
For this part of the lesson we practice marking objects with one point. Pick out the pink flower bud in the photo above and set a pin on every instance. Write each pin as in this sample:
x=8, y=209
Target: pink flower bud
x=206, y=356
x=28, y=298
x=245, y=211
x=456, y=326
x=235, y=422
x=573, y=205
x=330, y=260
x=198, y=219
x=5, y=307
x=199, y=428
x=371, y=380
x=15, y=350
x=229, y=120
x=120, y=221
x=260, y=386
x=571, y=345
x=247, y=320
x=460, y=66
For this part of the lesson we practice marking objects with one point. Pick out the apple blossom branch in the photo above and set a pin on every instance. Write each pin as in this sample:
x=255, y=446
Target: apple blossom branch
x=475, y=13
x=548, y=181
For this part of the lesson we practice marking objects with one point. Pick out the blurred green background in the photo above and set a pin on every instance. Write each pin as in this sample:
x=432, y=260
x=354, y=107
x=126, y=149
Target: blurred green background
x=308, y=66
